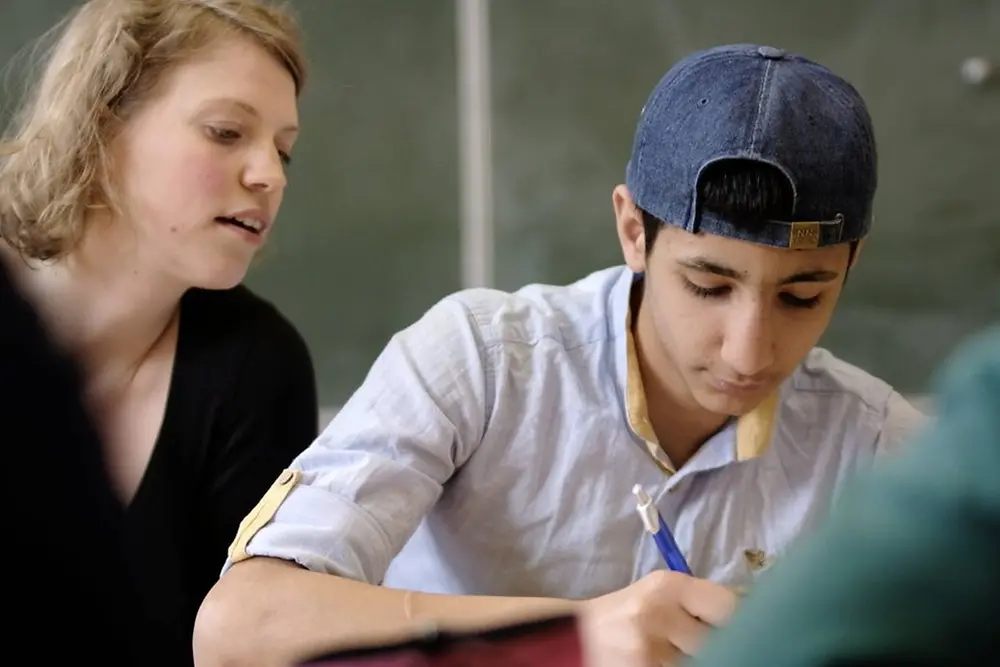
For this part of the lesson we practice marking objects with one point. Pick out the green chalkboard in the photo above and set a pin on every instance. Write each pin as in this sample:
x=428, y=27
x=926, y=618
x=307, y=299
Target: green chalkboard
x=370, y=226
x=369, y=234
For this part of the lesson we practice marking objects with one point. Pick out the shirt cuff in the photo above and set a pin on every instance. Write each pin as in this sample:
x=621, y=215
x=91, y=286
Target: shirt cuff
x=314, y=528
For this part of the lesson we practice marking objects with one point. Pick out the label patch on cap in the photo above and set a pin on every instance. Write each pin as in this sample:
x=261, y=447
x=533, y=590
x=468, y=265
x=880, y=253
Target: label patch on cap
x=803, y=236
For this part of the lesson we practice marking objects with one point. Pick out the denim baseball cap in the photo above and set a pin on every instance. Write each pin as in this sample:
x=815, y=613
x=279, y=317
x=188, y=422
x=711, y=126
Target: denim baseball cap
x=761, y=103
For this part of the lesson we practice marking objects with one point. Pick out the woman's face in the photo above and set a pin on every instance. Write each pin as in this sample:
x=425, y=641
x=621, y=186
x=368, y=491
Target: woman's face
x=200, y=166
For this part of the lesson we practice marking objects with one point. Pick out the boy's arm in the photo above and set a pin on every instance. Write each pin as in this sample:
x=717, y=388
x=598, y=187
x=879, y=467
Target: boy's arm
x=349, y=503
x=272, y=613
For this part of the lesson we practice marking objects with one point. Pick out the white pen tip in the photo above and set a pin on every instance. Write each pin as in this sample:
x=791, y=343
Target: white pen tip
x=645, y=508
x=640, y=494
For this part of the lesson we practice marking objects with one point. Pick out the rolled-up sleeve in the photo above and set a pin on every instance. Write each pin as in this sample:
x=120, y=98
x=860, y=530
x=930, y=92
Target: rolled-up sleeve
x=352, y=499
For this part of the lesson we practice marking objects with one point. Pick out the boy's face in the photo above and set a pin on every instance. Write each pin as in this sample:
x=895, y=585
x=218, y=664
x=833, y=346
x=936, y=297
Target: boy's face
x=723, y=322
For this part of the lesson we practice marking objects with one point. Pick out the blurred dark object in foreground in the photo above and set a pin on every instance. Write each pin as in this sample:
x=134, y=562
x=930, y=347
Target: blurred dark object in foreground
x=552, y=642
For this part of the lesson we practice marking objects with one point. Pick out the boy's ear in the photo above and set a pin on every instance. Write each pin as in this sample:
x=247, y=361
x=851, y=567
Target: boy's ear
x=857, y=251
x=631, y=232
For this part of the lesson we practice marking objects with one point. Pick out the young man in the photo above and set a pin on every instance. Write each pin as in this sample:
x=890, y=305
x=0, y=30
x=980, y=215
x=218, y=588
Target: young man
x=483, y=471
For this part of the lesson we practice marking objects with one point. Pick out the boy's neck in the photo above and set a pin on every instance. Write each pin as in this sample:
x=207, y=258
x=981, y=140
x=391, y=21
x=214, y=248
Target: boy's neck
x=681, y=425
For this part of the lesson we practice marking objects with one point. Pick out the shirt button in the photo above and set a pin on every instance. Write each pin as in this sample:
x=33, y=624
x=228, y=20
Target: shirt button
x=285, y=478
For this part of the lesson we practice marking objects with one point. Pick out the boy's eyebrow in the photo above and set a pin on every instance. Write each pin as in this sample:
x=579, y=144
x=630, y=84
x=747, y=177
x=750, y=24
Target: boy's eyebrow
x=708, y=266
x=817, y=276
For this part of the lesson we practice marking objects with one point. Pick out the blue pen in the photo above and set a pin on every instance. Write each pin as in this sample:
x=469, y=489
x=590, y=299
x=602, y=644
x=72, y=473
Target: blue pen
x=657, y=527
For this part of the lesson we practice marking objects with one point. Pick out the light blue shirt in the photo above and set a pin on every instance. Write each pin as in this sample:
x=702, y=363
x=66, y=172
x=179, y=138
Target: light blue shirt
x=490, y=451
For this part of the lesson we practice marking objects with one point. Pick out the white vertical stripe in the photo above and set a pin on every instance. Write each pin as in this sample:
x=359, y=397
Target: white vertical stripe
x=475, y=150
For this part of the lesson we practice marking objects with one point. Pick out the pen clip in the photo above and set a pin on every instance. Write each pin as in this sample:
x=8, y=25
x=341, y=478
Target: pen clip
x=647, y=511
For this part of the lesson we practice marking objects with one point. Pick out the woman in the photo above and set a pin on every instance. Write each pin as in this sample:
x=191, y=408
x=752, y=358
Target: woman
x=144, y=174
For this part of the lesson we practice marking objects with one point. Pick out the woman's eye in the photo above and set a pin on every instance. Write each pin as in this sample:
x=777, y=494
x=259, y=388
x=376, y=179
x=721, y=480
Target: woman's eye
x=224, y=134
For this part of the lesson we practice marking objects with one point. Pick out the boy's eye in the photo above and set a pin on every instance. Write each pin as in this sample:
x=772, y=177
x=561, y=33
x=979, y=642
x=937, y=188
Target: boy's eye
x=799, y=302
x=787, y=299
x=706, y=292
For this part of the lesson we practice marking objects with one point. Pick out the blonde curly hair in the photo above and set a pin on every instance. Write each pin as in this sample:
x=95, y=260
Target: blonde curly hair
x=109, y=55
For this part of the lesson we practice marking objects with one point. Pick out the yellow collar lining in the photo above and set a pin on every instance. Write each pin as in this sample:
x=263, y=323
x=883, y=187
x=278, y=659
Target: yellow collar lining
x=753, y=430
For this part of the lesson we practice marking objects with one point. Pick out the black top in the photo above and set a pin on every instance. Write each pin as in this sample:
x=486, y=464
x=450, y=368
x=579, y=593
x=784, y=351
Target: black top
x=64, y=549
x=242, y=404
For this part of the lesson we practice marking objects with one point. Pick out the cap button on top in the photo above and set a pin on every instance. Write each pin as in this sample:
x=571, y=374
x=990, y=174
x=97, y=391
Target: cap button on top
x=771, y=53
